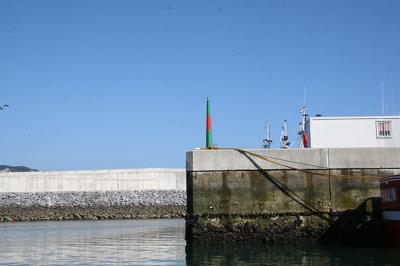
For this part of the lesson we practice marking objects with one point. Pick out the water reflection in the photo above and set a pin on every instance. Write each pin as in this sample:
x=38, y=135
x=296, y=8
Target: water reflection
x=123, y=242
x=291, y=255
x=157, y=242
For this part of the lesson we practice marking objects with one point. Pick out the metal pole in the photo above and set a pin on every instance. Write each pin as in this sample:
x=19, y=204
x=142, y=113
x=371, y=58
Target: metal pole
x=209, y=142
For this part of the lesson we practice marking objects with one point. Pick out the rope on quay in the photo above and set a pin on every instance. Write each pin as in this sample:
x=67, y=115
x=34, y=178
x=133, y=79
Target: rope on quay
x=265, y=158
x=282, y=187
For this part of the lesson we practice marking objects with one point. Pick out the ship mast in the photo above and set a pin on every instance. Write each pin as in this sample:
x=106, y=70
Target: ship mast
x=303, y=143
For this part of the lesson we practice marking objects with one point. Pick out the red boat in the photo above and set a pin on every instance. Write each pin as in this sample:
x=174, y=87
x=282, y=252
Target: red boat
x=390, y=194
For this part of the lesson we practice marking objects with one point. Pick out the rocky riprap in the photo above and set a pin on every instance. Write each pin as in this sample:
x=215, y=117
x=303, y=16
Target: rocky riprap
x=92, y=205
x=254, y=229
x=352, y=227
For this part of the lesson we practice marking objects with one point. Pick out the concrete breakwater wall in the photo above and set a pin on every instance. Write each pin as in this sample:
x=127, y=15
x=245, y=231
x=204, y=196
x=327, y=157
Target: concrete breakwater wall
x=95, y=180
x=234, y=196
x=101, y=194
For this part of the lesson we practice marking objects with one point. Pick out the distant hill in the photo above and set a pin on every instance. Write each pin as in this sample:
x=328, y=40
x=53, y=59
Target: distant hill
x=8, y=168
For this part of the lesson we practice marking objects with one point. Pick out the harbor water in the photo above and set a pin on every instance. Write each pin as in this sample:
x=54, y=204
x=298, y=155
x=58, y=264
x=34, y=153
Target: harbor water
x=157, y=242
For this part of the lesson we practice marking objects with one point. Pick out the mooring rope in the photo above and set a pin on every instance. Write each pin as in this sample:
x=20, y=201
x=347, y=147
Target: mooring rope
x=285, y=189
x=290, y=193
x=265, y=158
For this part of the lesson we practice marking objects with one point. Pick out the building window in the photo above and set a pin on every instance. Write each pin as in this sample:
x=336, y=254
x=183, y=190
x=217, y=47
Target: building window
x=383, y=129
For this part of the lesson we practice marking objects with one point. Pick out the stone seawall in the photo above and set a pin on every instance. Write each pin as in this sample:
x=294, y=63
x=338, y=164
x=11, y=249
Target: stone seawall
x=97, y=194
x=92, y=205
x=309, y=195
x=246, y=207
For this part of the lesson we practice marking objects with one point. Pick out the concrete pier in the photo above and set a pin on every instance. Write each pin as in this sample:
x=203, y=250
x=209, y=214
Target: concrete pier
x=232, y=196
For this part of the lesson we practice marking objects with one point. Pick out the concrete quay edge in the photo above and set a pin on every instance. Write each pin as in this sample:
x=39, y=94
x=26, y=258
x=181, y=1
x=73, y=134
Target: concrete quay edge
x=315, y=159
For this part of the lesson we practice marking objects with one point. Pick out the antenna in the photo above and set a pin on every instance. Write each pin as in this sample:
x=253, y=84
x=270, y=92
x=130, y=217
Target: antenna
x=304, y=96
x=383, y=100
x=267, y=141
x=392, y=98
x=284, y=136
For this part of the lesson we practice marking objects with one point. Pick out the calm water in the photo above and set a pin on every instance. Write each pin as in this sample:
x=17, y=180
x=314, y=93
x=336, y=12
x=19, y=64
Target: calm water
x=156, y=242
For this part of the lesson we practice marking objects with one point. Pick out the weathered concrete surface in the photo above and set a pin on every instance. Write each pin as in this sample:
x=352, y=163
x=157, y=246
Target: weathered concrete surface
x=248, y=192
x=96, y=180
x=339, y=158
x=226, y=184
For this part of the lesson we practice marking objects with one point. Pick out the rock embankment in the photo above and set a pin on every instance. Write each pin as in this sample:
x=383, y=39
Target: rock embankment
x=92, y=205
x=279, y=228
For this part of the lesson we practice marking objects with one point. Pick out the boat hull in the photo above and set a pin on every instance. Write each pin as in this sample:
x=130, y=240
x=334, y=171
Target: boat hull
x=390, y=195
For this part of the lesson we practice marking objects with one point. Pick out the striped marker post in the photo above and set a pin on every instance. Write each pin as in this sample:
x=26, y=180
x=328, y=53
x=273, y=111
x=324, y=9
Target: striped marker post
x=209, y=143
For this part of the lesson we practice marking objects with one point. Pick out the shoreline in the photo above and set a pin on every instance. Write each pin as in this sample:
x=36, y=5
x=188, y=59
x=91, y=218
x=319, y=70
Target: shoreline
x=55, y=206
x=38, y=213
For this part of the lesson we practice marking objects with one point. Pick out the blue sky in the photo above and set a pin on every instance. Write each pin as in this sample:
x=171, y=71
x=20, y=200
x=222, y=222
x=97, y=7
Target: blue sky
x=123, y=84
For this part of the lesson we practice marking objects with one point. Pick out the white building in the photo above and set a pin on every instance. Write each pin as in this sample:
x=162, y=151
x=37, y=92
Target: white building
x=363, y=131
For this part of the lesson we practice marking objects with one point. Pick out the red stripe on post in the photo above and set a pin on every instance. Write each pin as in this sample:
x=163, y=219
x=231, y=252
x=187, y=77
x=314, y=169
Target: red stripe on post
x=208, y=122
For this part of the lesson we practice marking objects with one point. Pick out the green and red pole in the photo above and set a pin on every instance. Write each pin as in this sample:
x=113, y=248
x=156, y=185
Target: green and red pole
x=209, y=143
